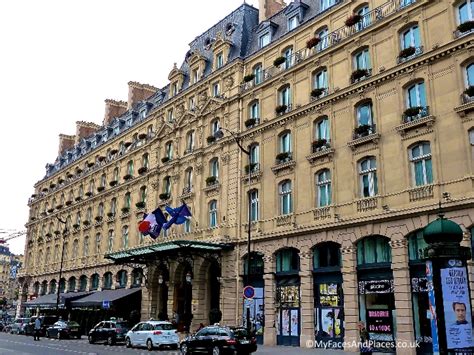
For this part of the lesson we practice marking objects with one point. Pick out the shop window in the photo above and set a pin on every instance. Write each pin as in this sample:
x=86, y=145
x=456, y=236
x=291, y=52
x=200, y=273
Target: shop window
x=327, y=255
x=373, y=250
x=94, y=282
x=256, y=264
x=122, y=278
x=62, y=286
x=107, y=281
x=83, y=283
x=71, y=284
x=287, y=261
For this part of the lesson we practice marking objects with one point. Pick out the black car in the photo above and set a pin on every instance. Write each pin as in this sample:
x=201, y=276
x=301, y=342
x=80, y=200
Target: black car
x=46, y=322
x=64, y=329
x=111, y=331
x=219, y=340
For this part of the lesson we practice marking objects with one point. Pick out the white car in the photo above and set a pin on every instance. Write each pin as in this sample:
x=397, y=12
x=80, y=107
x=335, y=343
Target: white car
x=152, y=334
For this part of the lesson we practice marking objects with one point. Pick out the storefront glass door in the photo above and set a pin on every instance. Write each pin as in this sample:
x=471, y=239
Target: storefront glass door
x=329, y=314
x=288, y=315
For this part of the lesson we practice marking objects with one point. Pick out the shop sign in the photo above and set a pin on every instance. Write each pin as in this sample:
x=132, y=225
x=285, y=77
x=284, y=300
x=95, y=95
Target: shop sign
x=457, y=307
x=376, y=286
x=379, y=321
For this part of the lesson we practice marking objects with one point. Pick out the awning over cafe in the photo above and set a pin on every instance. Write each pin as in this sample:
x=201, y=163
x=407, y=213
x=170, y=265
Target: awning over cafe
x=49, y=301
x=98, y=298
x=151, y=252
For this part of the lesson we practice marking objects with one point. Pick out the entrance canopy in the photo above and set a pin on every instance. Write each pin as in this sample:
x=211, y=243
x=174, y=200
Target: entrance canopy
x=97, y=298
x=49, y=301
x=148, y=253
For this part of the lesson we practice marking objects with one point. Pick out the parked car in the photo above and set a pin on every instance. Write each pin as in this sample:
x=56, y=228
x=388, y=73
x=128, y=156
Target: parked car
x=152, y=334
x=46, y=322
x=111, y=331
x=17, y=327
x=64, y=329
x=219, y=340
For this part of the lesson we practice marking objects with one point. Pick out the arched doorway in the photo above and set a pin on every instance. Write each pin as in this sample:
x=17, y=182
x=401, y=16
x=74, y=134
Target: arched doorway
x=183, y=289
x=376, y=289
x=214, y=292
x=162, y=292
x=288, y=297
x=328, y=295
x=254, y=278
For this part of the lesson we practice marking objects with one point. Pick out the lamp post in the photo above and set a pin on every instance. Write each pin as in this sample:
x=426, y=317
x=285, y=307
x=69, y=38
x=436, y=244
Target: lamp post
x=187, y=315
x=220, y=134
x=60, y=267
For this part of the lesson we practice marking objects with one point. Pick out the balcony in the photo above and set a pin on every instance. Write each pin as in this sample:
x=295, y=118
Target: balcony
x=282, y=109
x=251, y=172
x=464, y=29
x=187, y=193
x=284, y=220
x=319, y=93
x=412, y=119
x=364, y=134
x=359, y=75
x=421, y=193
x=284, y=163
x=467, y=105
x=322, y=213
x=320, y=149
x=409, y=53
x=333, y=38
x=367, y=204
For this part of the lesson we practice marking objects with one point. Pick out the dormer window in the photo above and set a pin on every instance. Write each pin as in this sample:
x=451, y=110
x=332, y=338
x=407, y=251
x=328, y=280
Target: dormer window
x=264, y=40
x=293, y=23
x=195, y=76
x=174, y=89
x=219, y=60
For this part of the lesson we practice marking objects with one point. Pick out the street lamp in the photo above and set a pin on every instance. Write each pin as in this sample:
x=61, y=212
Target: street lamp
x=60, y=266
x=219, y=134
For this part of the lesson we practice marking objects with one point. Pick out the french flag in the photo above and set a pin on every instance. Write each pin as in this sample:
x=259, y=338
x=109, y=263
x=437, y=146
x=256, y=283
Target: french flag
x=152, y=223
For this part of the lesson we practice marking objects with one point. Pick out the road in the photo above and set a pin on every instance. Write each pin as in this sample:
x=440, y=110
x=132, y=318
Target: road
x=11, y=344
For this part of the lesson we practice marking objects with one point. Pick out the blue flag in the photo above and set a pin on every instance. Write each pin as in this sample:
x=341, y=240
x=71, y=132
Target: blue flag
x=178, y=215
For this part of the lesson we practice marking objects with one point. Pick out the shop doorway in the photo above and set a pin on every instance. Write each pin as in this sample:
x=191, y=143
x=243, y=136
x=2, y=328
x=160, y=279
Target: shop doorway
x=257, y=304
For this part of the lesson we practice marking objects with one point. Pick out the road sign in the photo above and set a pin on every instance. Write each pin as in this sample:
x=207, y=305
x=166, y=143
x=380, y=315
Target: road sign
x=105, y=304
x=249, y=292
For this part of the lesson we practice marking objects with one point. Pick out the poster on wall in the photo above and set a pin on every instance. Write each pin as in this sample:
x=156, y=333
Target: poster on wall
x=379, y=321
x=432, y=306
x=457, y=306
x=294, y=322
x=285, y=322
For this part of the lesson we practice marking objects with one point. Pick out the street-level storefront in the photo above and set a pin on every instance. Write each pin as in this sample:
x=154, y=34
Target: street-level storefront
x=376, y=289
x=288, y=310
x=419, y=293
x=184, y=281
x=328, y=295
x=256, y=304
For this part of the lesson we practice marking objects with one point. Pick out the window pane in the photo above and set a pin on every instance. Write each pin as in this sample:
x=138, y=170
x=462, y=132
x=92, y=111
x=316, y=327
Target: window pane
x=470, y=74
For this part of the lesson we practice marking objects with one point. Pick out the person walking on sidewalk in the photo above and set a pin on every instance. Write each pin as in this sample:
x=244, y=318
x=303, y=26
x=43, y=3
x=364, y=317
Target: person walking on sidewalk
x=365, y=346
x=36, y=335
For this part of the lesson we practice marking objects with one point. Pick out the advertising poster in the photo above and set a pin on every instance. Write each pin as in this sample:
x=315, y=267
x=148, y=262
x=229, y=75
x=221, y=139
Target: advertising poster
x=432, y=305
x=294, y=322
x=285, y=322
x=379, y=321
x=457, y=307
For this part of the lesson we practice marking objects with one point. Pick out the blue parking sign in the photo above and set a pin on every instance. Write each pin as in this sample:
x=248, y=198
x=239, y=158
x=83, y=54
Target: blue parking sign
x=105, y=304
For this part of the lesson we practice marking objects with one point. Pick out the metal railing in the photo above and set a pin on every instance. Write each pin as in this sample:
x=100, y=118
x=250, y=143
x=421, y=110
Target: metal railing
x=364, y=130
x=466, y=99
x=424, y=111
x=403, y=59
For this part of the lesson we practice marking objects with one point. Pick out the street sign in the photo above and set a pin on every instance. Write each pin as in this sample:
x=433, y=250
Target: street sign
x=105, y=304
x=249, y=292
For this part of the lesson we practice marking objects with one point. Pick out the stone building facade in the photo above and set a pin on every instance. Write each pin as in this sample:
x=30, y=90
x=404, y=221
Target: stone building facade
x=357, y=117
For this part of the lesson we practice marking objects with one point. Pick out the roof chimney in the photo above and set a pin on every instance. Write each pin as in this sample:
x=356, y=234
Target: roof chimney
x=113, y=109
x=65, y=142
x=268, y=8
x=138, y=92
x=85, y=129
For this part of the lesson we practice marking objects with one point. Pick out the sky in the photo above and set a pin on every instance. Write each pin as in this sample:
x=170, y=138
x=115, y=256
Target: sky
x=59, y=61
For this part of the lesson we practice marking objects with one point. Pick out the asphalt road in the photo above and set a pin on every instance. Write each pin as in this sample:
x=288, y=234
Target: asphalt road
x=12, y=344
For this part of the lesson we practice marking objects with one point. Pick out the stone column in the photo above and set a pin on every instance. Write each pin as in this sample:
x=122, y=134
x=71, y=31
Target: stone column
x=269, y=335
x=200, y=297
x=306, y=300
x=351, y=295
x=403, y=301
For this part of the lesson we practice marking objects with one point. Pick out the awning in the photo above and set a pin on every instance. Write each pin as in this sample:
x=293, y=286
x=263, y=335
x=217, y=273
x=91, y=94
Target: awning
x=51, y=299
x=150, y=252
x=98, y=298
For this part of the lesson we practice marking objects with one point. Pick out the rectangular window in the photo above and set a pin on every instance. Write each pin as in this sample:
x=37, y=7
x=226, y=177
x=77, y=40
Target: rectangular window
x=321, y=80
x=253, y=205
x=254, y=111
x=292, y=23
x=322, y=129
x=364, y=115
x=216, y=90
x=362, y=60
x=264, y=40
x=326, y=4
x=219, y=60
x=195, y=76
x=170, y=116
x=257, y=71
x=192, y=103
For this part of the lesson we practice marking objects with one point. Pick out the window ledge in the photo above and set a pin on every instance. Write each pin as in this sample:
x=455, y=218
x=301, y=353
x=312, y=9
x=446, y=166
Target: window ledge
x=424, y=121
x=282, y=167
x=213, y=189
x=125, y=215
x=110, y=219
x=374, y=138
x=326, y=152
x=463, y=109
x=421, y=193
x=255, y=176
x=187, y=195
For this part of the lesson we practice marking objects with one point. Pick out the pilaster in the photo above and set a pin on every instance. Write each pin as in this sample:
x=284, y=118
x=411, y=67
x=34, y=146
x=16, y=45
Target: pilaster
x=306, y=299
x=351, y=302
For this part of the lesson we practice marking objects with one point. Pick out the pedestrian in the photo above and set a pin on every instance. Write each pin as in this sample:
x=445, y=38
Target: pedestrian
x=201, y=325
x=364, y=345
x=37, y=329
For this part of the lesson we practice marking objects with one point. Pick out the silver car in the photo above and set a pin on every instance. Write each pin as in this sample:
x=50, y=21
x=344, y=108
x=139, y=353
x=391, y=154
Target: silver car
x=18, y=326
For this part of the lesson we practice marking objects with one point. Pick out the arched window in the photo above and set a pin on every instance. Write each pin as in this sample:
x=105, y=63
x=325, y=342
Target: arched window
x=465, y=11
x=361, y=59
x=254, y=157
x=122, y=278
x=321, y=130
x=167, y=185
x=62, y=285
x=188, y=180
x=254, y=205
x=85, y=248
x=125, y=237
x=71, y=285
x=287, y=260
x=327, y=255
x=44, y=286
x=286, y=203
x=107, y=281
x=258, y=72
x=83, y=283
x=52, y=287
x=98, y=242
x=94, y=282
x=322, y=34
x=127, y=200
x=410, y=37
x=254, y=111
x=416, y=95
x=36, y=287
x=320, y=81
x=363, y=12
x=289, y=58
x=110, y=240
x=213, y=214
x=284, y=97
x=469, y=77
x=189, y=142
x=214, y=167
x=323, y=186
x=285, y=142
x=373, y=250
x=368, y=177
x=145, y=160
x=420, y=158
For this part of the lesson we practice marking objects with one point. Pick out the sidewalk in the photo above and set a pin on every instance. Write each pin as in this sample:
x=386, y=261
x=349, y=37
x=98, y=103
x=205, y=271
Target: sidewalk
x=262, y=349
